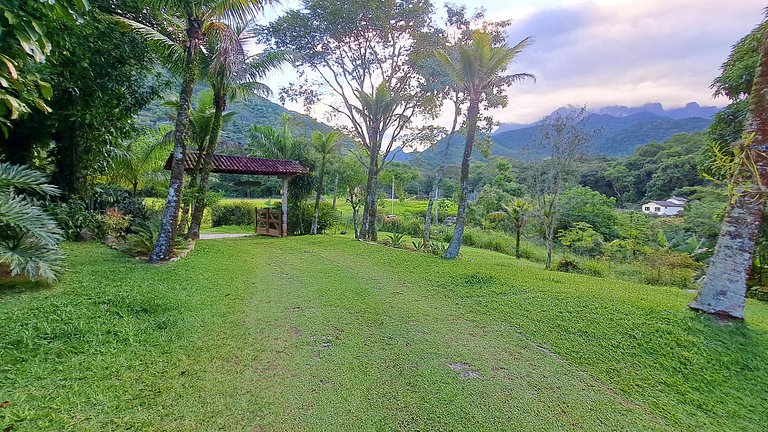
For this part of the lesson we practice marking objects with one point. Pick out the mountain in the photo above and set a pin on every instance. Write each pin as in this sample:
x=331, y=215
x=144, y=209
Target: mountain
x=623, y=130
x=256, y=111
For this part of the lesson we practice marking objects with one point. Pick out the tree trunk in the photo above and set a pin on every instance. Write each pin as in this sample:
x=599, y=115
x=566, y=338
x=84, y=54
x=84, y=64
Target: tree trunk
x=725, y=286
x=206, y=167
x=517, y=242
x=185, y=206
x=550, y=240
x=164, y=245
x=313, y=229
x=458, y=232
x=335, y=189
x=430, y=205
x=368, y=225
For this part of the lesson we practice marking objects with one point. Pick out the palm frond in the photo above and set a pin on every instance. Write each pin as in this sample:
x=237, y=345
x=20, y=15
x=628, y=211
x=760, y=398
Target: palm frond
x=22, y=178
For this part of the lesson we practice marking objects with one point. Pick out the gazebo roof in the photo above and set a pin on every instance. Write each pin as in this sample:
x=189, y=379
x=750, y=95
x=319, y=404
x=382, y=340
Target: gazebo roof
x=225, y=164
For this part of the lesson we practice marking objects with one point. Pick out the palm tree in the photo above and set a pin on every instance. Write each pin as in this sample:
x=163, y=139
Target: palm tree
x=476, y=71
x=232, y=75
x=725, y=286
x=325, y=145
x=182, y=54
x=141, y=163
x=518, y=212
x=29, y=237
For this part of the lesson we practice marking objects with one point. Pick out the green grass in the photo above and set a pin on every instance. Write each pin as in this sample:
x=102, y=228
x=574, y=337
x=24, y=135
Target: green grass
x=326, y=333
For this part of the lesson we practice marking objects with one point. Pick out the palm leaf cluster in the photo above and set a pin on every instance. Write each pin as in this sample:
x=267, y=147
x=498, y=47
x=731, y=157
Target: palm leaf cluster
x=29, y=237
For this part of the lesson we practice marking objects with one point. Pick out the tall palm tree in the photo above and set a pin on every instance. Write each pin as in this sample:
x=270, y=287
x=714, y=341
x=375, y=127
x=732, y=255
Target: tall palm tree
x=725, y=286
x=232, y=75
x=518, y=212
x=325, y=145
x=476, y=69
x=182, y=54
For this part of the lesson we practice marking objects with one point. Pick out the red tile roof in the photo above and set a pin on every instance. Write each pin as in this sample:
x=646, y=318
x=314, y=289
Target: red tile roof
x=226, y=164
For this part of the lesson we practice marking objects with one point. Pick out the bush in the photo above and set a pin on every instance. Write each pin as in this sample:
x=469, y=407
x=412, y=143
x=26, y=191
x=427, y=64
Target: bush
x=115, y=222
x=233, y=213
x=568, y=265
x=412, y=226
x=109, y=197
x=74, y=217
x=596, y=268
x=300, y=219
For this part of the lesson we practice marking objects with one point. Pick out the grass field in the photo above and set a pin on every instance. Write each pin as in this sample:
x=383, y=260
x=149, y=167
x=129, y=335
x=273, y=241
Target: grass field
x=326, y=333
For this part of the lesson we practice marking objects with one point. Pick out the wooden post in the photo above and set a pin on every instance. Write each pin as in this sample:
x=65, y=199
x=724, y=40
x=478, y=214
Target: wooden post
x=284, y=194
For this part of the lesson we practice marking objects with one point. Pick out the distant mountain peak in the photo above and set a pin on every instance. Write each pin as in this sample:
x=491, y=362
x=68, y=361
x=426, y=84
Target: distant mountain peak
x=691, y=109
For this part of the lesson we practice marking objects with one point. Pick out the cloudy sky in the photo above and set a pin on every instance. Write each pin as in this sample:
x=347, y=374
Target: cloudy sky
x=613, y=52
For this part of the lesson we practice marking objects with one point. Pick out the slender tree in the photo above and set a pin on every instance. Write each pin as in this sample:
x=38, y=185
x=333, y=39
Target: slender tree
x=724, y=289
x=564, y=136
x=477, y=71
x=325, y=146
x=181, y=50
x=518, y=212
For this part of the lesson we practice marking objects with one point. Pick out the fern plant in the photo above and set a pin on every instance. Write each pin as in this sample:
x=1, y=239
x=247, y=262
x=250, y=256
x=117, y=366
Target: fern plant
x=29, y=237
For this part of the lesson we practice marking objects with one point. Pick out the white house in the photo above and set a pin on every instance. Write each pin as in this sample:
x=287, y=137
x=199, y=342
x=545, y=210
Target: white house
x=669, y=207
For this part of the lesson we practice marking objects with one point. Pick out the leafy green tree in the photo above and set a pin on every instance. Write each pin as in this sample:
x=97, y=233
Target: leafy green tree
x=580, y=204
x=26, y=43
x=518, y=212
x=582, y=239
x=352, y=180
x=359, y=60
x=476, y=70
x=325, y=145
x=29, y=237
x=100, y=78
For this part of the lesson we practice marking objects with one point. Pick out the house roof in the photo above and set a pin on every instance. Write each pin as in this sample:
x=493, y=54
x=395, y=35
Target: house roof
x=666, y=203
x=225, y=164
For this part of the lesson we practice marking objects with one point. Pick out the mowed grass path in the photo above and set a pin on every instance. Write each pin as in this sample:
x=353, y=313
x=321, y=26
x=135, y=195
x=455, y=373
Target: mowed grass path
x=326, y=333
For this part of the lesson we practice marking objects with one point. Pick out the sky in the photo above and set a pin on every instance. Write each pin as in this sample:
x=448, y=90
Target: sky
x=609, y=52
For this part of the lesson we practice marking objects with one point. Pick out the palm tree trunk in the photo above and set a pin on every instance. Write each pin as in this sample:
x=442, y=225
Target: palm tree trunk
x=313, y=229
x=164, y=245
x=458, y=232
x=517, y=241
x=205, y=169
x=725, y=286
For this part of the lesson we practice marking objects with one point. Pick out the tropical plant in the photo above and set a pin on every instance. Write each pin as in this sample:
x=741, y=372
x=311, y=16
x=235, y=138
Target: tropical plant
x=29, y=237
x=396, y=240
x=476, y=70
x=325, y=146
x=518, y=212
x=140, y=164
x=181, y=51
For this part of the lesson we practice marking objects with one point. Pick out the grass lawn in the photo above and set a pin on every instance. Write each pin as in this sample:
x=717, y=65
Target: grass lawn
x=229, y=229
x=326, y=333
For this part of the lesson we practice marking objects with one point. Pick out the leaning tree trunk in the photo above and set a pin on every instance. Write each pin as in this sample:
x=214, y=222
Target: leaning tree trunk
x=458, y=232
x=205, y=169
x=316, y=216
x=725, y=285
x=164, y=245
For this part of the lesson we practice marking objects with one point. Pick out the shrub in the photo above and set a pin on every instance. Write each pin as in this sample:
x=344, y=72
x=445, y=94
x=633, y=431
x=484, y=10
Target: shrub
x=233, y=213
x=568, y=265
x=142, y=239
x=406, y=225
x=108, y=197
x=74, y=217
x=300, y=217
x=115, y=222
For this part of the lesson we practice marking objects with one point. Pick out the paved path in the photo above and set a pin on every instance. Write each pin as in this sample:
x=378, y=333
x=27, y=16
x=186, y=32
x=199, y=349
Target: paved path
x=221, y=236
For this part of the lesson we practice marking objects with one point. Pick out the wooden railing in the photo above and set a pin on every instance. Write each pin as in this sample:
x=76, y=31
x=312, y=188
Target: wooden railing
x=269, y=222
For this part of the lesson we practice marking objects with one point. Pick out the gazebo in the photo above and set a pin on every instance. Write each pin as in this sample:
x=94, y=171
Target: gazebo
x=267, y=222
